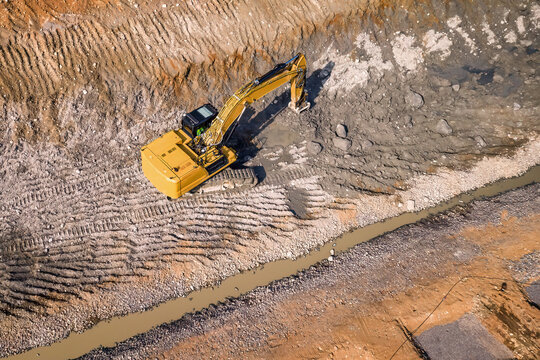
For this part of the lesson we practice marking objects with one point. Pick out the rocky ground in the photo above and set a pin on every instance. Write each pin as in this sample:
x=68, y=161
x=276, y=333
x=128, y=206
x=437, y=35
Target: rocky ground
x=411, y=105
x=369, y=301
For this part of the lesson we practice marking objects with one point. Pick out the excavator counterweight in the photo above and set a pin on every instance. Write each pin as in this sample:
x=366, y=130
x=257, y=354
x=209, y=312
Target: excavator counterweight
x=182, y=159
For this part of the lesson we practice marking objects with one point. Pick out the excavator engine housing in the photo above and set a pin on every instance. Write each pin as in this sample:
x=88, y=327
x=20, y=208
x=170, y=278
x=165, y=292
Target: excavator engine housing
x=174, y=168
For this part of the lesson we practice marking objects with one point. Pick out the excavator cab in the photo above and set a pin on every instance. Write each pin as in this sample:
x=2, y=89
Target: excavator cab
x=197, y=121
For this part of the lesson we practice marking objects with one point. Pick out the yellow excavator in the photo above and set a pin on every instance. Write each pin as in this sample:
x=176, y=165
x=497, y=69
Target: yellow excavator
x=182, y=159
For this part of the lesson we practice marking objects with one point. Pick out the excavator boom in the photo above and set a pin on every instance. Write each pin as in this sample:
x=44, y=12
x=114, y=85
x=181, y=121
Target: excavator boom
x=182, y=159
x=293, y=71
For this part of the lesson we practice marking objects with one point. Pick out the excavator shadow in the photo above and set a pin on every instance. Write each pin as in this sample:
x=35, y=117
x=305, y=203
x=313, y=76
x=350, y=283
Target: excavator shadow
x=315, y=82
x=245, y=137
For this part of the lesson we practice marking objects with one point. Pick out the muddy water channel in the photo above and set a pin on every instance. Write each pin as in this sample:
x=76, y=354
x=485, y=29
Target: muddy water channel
x=117, y=329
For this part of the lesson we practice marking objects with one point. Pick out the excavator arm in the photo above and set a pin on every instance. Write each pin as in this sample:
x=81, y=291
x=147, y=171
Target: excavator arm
x=293, y=71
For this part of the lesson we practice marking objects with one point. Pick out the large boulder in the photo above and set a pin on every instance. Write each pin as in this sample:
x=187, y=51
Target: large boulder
x=314, y=147
x=414, y=99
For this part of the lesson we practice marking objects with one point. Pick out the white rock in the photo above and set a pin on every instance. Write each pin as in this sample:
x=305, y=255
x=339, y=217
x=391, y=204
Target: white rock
x=406, y=54
x=455, y=87
x=510, y=37
x=410, y=205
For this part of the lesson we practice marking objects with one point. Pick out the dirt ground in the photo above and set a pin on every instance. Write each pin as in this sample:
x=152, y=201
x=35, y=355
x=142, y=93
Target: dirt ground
x=412, y=104
x=362, y=304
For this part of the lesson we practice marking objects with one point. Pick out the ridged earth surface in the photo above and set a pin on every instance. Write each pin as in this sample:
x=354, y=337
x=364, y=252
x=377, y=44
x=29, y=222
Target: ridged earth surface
x=421, y=87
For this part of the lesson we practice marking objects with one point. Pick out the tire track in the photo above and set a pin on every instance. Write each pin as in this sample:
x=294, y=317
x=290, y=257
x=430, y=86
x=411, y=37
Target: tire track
x=36, y=193
x=39, y=54
x=115, y=240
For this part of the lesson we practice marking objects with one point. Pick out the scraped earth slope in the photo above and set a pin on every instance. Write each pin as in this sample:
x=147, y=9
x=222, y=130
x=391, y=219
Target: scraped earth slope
x=84, y=236
x=201, y=50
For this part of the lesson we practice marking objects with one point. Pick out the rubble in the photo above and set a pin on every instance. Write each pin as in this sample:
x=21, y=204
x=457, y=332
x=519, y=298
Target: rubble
x=443, y=127
x=342, y=144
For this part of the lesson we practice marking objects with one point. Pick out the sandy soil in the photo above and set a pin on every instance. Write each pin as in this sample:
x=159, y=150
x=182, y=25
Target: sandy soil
x=363, y=303
x=434, y=99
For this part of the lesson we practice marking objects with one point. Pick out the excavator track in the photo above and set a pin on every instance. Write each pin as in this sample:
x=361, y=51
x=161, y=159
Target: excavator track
x=228, y=179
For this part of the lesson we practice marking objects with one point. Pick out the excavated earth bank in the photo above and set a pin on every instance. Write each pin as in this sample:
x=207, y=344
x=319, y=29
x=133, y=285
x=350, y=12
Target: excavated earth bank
x=434, y=98
x=359, y=305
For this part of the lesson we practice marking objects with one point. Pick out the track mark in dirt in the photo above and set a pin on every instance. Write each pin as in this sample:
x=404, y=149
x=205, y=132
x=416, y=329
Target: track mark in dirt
x=116, y=235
